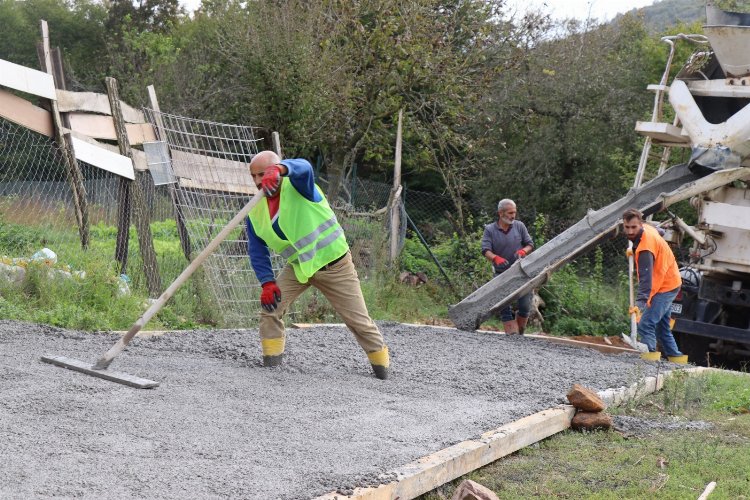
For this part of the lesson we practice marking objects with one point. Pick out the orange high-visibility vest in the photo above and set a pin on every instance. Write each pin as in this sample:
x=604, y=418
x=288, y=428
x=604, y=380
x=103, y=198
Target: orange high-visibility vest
x=666, y=274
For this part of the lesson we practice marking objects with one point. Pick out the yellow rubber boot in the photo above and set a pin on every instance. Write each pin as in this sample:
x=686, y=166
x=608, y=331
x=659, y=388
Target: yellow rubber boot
x=651, y=356
x=680, y=360
x=380, y=361
x=273, y=351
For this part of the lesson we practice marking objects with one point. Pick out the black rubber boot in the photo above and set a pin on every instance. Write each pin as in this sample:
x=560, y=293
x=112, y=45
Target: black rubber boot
x=269, y=361
x=380, y=371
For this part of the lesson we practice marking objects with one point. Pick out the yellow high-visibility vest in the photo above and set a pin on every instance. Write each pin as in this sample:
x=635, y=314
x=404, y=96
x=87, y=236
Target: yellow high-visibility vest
x=314, y=236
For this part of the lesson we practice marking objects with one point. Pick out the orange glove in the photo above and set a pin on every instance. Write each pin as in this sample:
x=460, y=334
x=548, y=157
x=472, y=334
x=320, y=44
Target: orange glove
x=500, y=264
x=520, y=254
x=637, y=311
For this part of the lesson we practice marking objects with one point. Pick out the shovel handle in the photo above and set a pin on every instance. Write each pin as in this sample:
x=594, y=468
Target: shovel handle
x=116, y=349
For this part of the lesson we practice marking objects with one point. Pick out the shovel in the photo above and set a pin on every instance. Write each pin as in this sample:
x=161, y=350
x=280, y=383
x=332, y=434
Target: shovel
x=632, y=340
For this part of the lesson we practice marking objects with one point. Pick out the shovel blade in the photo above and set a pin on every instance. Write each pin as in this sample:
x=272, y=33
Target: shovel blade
x=88, y=369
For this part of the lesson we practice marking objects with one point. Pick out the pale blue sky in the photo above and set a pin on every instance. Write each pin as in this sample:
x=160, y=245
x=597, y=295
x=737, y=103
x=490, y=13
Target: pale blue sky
x=604, y=10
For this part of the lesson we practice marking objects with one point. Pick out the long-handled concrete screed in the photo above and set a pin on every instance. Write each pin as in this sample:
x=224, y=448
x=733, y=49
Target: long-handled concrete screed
x=99, y=369
x=632, y=340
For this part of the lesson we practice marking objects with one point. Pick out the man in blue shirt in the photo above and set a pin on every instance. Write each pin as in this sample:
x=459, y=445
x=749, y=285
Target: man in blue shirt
x=503, y=243
x=295, y=220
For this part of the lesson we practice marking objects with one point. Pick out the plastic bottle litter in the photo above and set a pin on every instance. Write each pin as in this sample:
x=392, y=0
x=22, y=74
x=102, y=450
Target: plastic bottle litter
x=123, y=284
x=46, y=255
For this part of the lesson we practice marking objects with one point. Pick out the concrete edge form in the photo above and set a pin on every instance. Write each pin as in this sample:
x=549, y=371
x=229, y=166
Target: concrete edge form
x=427, y=473
x=607, y=349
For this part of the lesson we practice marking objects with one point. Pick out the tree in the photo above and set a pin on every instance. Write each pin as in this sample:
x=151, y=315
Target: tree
x=570, y=112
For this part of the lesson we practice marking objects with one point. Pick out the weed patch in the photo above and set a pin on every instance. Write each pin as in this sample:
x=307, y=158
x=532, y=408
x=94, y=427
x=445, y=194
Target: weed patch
x=676, y=458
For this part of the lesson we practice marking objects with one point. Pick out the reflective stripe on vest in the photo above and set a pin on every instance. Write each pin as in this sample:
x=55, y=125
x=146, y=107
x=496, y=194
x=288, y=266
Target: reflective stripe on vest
x=305, y=250
x=306, y=240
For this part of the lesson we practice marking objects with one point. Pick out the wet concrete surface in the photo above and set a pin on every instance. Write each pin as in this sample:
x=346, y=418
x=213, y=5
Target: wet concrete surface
x=221, y=425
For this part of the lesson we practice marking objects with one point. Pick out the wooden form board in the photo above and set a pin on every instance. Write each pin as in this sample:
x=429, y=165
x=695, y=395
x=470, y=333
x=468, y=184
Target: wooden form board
x=103, y=158
x=429, y=472
x=91, y=102
x=663, y=132
x=27, y=80
x=139, y=157
x=22, y=112
x=208, y=172
x=103, y=127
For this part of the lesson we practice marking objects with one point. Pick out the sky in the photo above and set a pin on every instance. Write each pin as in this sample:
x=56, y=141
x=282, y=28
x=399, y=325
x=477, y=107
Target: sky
x=603, y=10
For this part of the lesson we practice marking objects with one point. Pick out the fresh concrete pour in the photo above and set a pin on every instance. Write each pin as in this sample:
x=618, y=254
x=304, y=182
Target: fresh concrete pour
x=220, y=425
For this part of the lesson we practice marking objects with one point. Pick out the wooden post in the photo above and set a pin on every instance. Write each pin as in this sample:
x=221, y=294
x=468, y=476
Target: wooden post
x=73, y=173
x=179, y=217
x=396, y=192
x=142, y=222
x=276, y=143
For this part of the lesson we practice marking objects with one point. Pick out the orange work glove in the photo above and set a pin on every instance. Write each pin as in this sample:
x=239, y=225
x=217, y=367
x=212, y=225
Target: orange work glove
x=500, y=264
x=637, y=311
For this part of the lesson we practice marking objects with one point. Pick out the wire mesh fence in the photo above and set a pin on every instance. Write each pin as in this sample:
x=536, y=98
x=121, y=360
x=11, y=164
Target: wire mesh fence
x=197, y=181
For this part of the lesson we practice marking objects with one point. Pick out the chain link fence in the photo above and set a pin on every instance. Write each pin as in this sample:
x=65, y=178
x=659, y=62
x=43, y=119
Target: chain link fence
x=37, y=212
x=38, y=221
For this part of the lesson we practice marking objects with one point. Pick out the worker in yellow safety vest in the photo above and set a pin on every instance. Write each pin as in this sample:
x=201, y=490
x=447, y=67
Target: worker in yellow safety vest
x=295, y=221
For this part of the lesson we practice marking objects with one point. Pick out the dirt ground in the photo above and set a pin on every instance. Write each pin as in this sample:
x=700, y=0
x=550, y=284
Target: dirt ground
x=221, y=425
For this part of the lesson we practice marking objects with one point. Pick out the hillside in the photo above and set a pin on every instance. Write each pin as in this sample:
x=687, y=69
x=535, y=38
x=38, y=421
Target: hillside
x=663, y=14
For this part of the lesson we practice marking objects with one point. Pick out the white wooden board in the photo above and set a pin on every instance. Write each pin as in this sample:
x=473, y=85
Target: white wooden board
x=139, y=157
x=27, y=80
x=101, y=158
x=103, y=127
x=92, y=102
x=208, y=172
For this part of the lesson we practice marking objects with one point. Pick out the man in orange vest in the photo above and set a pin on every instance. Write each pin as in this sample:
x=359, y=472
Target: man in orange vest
x=659, y=282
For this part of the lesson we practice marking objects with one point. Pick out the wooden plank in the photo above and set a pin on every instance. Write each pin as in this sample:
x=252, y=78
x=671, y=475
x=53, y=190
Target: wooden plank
x=140, y=214
x=87, y=368
x=23, y=113
x=102, y=127
x=103, y=158
x=217, y=186
x=208, y=172
x=139, y=157
x=607, y=349
x=27, y=80
x=73, y=172
x=431, y=471
x=662, y=132
x=92, y=102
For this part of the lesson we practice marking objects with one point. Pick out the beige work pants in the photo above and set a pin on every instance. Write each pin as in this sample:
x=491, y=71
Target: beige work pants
x=340, y=285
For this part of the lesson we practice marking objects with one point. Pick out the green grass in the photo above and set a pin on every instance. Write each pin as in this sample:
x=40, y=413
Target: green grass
x=89, y=299
x=658, y=464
